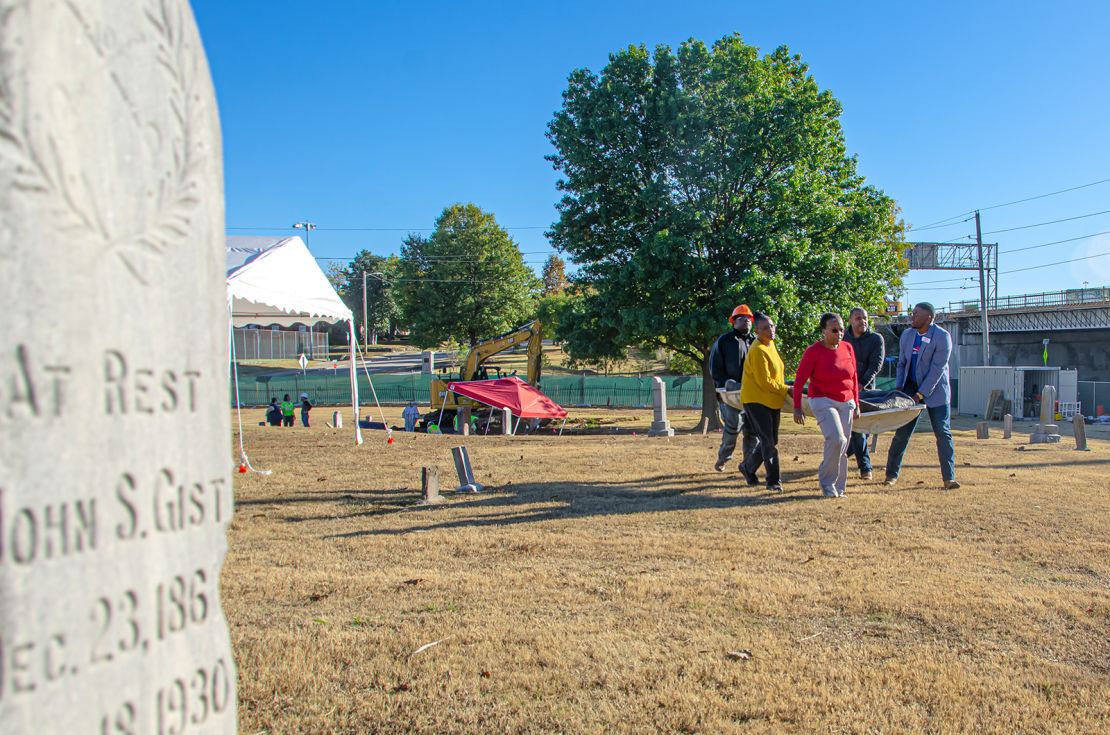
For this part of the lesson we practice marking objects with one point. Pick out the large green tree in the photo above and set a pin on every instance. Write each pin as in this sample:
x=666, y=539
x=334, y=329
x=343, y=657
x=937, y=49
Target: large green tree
x=698, y=180
x=382, y=310
x=467, y=281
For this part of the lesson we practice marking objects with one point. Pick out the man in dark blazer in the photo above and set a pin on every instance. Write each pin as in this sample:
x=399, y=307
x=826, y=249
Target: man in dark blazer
x=870, y=351
x=923, y=353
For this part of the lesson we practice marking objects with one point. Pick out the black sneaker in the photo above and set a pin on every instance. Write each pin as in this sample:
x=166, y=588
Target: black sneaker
x=750, y=477
x=776, y=488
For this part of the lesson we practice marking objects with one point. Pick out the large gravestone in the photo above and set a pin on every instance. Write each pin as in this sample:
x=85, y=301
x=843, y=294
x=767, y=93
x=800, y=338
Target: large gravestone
x=661, y=425
x=115, y=488
x=1047, y=432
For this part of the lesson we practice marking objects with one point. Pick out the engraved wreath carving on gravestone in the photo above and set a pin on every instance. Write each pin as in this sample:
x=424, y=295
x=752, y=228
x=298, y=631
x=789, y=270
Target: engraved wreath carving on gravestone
x=50, y=159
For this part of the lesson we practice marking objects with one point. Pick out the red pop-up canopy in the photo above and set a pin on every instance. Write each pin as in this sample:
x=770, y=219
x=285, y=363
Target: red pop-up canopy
x=521, y=399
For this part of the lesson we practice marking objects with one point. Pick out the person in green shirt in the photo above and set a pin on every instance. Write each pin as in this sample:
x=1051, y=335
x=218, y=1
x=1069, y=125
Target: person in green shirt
x=762, y=391
x=286, y=411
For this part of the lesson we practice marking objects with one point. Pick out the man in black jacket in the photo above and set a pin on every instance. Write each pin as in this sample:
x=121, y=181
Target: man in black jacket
x=870, y=351
x=726, y=365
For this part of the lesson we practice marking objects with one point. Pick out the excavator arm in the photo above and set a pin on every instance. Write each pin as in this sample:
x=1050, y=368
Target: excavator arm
x=483, y=351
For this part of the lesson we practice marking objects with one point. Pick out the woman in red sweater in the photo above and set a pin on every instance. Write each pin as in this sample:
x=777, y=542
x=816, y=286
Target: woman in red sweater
x=830, y=367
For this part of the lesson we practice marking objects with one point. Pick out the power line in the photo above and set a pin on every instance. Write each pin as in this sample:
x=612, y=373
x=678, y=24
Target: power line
x=377, y=229
x=941, y=222
x=1057, y=242
x=1059, y=262
x=1042, y=196
x=1050, y=222
x=938, y=224
x=417, y=229
x=946, y=288
x=447, y=259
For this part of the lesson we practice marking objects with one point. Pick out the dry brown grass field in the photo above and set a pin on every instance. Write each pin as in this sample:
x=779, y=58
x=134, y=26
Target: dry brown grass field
x=613, y=583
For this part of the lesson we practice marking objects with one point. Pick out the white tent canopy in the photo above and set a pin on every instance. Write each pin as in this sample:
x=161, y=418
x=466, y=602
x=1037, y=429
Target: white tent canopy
x=275, y=280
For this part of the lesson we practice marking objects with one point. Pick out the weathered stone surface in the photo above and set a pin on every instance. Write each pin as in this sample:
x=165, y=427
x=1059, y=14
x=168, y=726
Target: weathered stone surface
x=462, y=421
x=429, y=486
x=464, y=471
x=661, y=425
x=115, y=486
x=1007, y=426
x=1080, y=431
x=1046, y=432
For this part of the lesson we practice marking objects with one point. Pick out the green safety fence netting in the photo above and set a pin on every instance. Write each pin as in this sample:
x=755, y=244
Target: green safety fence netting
x=333, y=388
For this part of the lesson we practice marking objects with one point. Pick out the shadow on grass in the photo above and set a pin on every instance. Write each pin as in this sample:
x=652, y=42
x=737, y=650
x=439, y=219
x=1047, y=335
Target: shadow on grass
x=578, y=500
x=398, y=495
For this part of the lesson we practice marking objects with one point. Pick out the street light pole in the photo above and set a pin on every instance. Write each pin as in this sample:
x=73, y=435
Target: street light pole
x=365, y=327
x=365, y=317
x=307, y=227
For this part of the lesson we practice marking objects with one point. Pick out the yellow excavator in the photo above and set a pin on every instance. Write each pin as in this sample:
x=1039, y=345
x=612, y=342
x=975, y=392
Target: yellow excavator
x=474, y=368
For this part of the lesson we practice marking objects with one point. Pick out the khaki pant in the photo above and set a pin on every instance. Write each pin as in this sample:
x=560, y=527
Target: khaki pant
x=834, y=418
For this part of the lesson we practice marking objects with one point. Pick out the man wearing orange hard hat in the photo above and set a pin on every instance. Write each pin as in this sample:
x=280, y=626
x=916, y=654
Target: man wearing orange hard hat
x=726, y=365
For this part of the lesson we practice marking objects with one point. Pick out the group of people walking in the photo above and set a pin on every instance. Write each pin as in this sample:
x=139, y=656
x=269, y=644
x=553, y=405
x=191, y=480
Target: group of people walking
x=835, y=368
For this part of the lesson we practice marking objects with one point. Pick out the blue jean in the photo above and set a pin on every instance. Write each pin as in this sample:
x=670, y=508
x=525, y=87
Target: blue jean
x=946, y=451
x=857, y=446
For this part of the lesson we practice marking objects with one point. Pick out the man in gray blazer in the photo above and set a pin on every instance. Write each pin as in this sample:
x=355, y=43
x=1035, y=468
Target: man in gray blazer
x=923, y=353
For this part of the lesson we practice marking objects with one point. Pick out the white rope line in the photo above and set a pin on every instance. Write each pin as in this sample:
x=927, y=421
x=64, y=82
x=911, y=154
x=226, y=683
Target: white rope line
x=243, y=459
x=374, y=393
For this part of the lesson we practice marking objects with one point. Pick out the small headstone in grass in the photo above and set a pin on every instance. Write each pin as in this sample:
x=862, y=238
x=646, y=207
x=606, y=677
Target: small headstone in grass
x=464, y=471
x=429, y=486
x=1007, y=426
x=337, y=419
x=115, y=482
x=463, y=421
x=982, y=430
x=1080, y=430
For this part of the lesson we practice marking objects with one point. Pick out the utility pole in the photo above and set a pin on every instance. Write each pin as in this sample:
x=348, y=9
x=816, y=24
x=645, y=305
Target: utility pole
x=983, y=294
x=365, y=327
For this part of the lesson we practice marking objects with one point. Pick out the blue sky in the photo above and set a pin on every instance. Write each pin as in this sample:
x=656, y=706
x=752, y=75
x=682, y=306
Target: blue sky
x=368, y=118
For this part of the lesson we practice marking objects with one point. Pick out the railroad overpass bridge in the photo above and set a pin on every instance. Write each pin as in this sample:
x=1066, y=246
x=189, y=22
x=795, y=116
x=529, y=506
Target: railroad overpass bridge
x=1076, y=321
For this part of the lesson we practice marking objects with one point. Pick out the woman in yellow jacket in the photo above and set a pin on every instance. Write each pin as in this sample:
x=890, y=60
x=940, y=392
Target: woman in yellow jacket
x=762, y=392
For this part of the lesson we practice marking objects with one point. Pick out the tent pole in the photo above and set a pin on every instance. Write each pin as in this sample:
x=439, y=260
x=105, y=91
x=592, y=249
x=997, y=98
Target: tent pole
x=442, y=406
x=562, y=425
x=354, y=382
